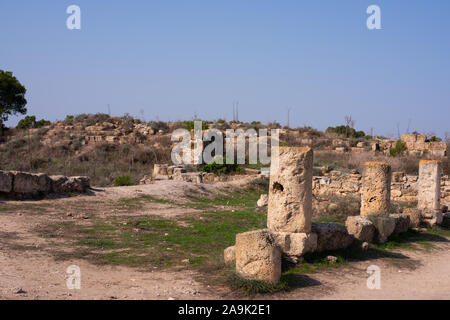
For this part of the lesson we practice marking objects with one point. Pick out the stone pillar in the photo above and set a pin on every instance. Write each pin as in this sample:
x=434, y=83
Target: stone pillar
x=290, y=191
x=257, y=256
x=159, y=170
x=429, y=185
x=376, y=189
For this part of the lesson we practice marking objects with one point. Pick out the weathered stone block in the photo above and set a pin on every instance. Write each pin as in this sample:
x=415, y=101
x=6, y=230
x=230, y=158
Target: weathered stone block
x=429, y=185
x=290, y=191
x=384, y=225
x=415, y=216
x=257, y=256
x=402, y=222
x=376, y=189
x=430, y=218
x=31, y=183
x=361, y=228
x=295, y=244
x=331, y=236
x=58, y=183
x=263, y=200
x=229, y=255
x=6, y=181
x=160, y=170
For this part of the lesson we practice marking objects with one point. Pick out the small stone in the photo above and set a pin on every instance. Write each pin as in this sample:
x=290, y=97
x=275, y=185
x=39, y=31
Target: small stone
x=365, y=246
x=263, y=200
x=229, y=255
x=185, y=261
x=171, y=298
x=19, y=291
x=331, y=259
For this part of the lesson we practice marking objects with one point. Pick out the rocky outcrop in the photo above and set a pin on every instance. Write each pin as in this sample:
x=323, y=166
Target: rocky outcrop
x=14, y=184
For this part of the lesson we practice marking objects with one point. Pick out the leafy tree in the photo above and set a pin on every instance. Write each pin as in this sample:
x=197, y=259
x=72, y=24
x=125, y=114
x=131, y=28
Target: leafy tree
x=346, y=131
x=12, y=97
x=30, y=122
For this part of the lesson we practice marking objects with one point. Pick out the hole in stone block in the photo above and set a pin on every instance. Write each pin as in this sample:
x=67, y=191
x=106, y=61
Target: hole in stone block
x=277, y=187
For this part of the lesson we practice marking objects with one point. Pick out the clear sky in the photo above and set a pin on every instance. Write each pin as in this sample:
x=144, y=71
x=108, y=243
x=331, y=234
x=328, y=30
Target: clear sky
x=174, y=59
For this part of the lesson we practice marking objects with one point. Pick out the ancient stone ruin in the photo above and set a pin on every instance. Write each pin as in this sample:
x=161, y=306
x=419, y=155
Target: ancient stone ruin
x=21, y=185
x=290, y=233
x=429, y=191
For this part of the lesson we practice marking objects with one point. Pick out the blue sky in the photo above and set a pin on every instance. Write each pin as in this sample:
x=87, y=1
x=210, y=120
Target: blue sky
x=174, y=59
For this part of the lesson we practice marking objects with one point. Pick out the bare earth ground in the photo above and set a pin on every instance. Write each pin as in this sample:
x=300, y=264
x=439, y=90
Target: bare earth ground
x=27, y=260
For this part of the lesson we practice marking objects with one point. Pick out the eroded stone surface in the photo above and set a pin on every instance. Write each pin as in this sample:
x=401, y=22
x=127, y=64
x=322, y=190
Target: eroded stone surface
x=429, y=185
x=6, y=181
x=296, y=244
x=384, y=225
x=229, y=255
x=331, y=236
x=415, y=216
x=376, y=189
x=263, y=200
x=361, y=228
x=290, y=191
x=402, y=222
x=257, y=256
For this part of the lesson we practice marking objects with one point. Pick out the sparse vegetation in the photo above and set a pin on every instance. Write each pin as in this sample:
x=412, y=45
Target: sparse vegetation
x=399, y=149
x=122, y=181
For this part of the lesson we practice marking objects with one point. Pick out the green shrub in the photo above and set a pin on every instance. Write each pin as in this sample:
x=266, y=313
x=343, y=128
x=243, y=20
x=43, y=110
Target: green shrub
x=218, y=167
x=123, y=181
x=346, y=131
x=29, y=122
x=399, y=148
x=189, y=125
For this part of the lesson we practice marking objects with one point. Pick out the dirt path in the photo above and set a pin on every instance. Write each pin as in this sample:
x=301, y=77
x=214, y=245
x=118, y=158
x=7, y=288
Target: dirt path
x=27, y=263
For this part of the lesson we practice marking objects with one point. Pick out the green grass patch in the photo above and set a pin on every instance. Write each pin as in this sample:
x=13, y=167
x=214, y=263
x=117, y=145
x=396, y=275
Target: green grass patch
x=136, y=203
x=245, y=198
x=151, y=241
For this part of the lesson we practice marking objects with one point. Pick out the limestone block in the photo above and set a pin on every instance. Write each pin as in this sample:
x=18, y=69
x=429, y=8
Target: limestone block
x=384, y=225
x=415, y=216
x=295, y=244
x=331, y=236
x=58, y=183
x=263, y=200
x=32, y=183
x=430, y=218
x=402, y=222
x=229, y=255
x=257, y=256
x=290, y=191
x=429, y=185
x=376, y=189
x=6, y=181
x=160, y=170
x=361, y=228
